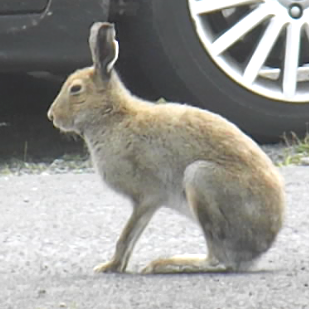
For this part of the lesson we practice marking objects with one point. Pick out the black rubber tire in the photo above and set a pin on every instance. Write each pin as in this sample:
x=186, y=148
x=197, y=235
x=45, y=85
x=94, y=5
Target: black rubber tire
x=170, y=54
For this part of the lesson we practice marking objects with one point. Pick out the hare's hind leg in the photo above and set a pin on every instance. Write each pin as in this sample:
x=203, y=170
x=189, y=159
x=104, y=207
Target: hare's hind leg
x=189, y=263
x=205, y=185
x=194, y=177
x=229, y=214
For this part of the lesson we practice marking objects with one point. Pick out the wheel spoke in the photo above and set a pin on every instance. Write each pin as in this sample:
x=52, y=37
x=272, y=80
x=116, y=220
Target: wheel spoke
x=257, y=43
x=292, y=51
x=207, y=6
x=240, y=29
x=263, y=50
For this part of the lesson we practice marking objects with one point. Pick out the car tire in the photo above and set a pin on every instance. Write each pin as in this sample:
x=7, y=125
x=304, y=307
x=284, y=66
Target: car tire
x=166, y=47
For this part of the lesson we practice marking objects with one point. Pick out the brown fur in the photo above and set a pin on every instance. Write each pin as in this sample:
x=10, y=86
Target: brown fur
x=153, y=154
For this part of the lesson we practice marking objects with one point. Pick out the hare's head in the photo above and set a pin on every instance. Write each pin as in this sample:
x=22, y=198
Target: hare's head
x=86, y=93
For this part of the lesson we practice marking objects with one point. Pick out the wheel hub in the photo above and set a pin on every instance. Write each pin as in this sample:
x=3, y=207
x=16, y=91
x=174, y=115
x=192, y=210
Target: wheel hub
x=301, y=3
x=295, y=11
x=295, y=7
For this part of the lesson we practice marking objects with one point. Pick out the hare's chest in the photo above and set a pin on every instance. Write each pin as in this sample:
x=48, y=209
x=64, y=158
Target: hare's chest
x=136, y=171
x=124, y=175
x=134, y=179
x=113, y=172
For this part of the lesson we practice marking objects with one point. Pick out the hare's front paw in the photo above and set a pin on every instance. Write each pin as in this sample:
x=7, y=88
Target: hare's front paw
x=108, y=267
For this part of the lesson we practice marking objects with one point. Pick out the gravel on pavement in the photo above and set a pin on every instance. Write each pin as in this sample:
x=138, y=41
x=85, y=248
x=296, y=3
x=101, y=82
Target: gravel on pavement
x=54, y=228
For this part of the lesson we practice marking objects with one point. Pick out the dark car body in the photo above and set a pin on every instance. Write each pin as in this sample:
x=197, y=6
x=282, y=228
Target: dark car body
x=164, y=54
x=61, y=26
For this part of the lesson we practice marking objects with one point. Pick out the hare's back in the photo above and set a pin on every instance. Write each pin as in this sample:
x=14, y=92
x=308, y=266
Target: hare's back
x=195, y=125
x=196, y=134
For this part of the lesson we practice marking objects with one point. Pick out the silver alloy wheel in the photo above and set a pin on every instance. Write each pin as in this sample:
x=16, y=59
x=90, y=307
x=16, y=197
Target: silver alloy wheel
x=262, y=44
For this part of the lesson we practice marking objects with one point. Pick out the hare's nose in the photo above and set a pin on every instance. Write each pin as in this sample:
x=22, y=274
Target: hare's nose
x=50, y=115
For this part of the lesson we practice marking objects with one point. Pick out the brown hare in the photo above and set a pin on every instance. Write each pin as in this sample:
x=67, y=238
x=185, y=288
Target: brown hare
x=172, y=155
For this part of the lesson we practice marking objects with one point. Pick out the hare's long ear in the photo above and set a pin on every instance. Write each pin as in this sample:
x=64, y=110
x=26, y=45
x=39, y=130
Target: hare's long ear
x=104, y=48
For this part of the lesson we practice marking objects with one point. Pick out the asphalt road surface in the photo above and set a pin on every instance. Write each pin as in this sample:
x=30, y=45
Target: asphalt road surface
x=55, y=228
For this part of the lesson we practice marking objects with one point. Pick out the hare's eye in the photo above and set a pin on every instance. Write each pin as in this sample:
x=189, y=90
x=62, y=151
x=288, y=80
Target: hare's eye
x=76, y=89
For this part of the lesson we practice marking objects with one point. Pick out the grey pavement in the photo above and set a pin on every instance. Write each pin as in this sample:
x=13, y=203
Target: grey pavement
x=55, y=228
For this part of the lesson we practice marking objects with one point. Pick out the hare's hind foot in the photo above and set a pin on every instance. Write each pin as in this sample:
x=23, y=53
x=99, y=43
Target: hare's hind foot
x=184, y=264
x=109, y=267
